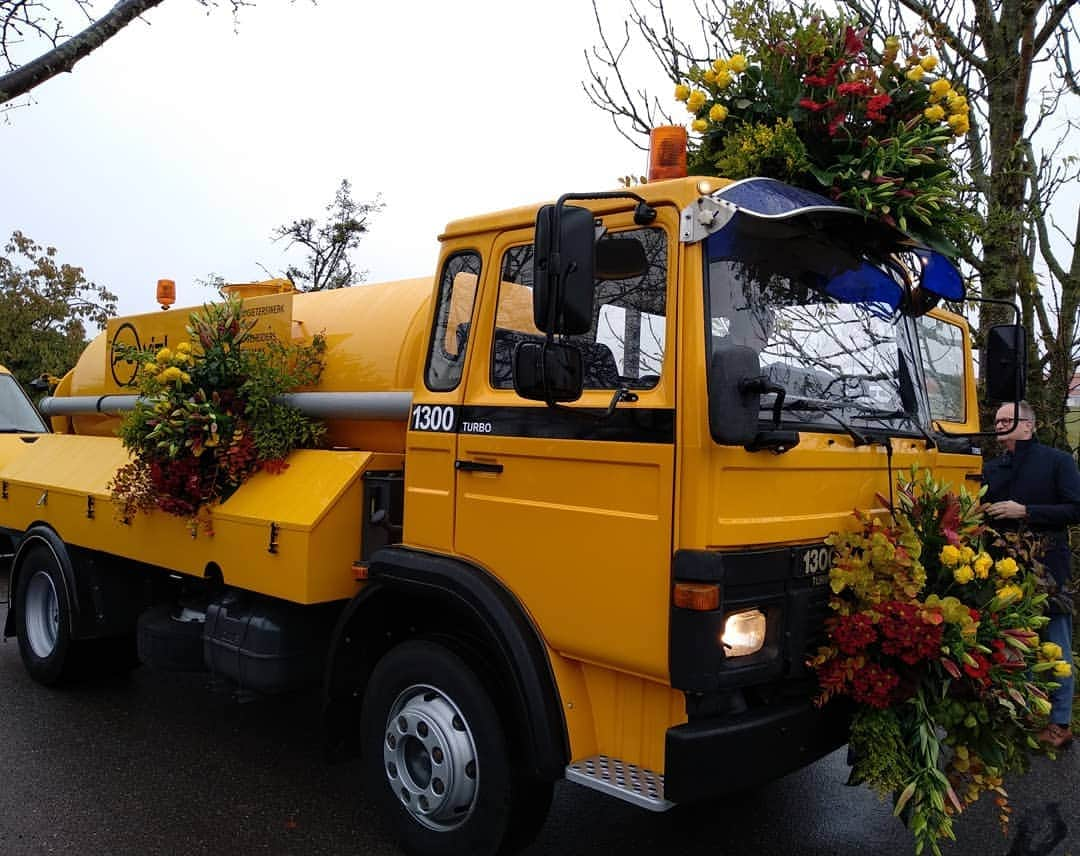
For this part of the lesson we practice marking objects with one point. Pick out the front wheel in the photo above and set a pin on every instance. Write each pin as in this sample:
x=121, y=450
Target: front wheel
x=436, y=756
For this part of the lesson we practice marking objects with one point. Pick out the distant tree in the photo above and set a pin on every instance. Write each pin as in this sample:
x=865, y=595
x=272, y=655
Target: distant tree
x=33, y=25
x=45, y=309
x=328, y=245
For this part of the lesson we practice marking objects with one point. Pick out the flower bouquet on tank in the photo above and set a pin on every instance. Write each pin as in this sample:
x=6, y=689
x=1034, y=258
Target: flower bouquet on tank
x=808, y=100
x=208, y=416
x=935, y=637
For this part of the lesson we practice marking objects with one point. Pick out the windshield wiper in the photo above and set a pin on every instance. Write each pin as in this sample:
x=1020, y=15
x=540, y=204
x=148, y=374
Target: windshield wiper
x=826, y=409
x=891, y=415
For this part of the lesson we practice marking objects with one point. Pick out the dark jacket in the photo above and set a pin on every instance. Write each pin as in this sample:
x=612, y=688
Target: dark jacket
x=1047, y=483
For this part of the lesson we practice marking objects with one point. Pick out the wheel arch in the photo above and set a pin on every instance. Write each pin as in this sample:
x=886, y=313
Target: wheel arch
x=41, y=533
x=410, y=594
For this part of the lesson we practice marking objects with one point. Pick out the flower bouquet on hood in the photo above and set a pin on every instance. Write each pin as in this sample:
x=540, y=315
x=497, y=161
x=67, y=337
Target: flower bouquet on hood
x=810, y=101
x=935, y=637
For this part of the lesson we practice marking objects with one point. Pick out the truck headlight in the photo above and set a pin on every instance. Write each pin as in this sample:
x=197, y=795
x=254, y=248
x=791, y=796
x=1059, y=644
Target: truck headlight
x=744, y=633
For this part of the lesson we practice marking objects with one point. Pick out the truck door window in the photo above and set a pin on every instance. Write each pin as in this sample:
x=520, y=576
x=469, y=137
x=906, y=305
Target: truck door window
x=941, y=349
x=453, y=315
x=626, y=343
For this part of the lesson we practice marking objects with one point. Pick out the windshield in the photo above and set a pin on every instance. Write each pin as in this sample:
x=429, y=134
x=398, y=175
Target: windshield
x=17, y=414
x=826, y=332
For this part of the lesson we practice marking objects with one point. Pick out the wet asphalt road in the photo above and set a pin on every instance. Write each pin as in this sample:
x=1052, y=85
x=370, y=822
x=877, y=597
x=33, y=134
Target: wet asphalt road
x=163, y=764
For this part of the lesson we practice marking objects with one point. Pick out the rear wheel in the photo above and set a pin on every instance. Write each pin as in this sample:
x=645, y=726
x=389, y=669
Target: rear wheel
x=43, y=617
x=435, y=755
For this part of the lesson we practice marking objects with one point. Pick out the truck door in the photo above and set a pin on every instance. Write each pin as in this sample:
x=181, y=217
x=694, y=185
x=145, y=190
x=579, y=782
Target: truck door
x=572, y=509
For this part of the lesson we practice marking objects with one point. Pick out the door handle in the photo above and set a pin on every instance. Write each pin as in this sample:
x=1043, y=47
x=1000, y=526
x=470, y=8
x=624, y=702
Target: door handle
x=477, y=467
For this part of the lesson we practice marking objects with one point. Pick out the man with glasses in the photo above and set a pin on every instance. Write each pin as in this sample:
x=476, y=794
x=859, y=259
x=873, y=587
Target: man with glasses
x=1037, y=488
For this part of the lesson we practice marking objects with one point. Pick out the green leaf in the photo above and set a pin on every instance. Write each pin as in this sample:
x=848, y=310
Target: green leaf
x=904, y=797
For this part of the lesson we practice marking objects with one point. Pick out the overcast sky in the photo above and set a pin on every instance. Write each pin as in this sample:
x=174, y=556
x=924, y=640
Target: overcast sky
x=176, y=148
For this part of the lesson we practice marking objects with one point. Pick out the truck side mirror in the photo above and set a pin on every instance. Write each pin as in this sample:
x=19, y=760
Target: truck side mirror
x=733, y=404
x=548, y=371
x=563, y=270
x=1006, y=362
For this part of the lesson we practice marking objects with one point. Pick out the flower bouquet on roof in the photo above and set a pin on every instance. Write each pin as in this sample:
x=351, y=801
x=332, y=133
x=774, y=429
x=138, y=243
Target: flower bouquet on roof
x=809, y=101
x=934, y=636
x=208, y=416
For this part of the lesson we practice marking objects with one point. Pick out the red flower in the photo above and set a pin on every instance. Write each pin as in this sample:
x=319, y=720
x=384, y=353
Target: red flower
x=875, y=105
x=816, y=106
x=980, y=671
x=853, y=41
x=874, y=685
x=852, y=633
x=835, y=123
x=816, y=80
x=858, y=88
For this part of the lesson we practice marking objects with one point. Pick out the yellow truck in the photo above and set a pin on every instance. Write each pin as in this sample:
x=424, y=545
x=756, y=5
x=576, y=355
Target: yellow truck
x=569, y=519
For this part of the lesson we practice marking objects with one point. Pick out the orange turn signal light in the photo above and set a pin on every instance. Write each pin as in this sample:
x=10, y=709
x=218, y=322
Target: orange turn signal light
x=701, y=597
x=166, y=293
x=667, y=152
x=360, y=570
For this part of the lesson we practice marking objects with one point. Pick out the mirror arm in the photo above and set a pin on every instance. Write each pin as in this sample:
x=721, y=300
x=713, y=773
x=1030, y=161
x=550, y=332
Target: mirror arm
x=623, y=393
x=763, y=386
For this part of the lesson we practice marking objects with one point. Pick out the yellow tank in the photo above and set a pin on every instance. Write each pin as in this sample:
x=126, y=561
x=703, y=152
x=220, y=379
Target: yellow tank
x=374, y=336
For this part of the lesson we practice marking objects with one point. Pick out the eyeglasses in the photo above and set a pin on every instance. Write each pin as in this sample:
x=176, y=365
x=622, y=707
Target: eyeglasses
x=1009, y=421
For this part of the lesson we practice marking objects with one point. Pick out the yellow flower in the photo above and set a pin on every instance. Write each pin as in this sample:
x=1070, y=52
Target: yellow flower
x=940, y=88
x=929, y=63
x=960, y=128
x=950, y=556
x=737, y=63
x=967, y=555
x=723, y=79
x=163, y=355
x=957, y=103
x=699, y=125
x=170, y=374
x=915, y=73
x=1007, y=567
x=682, y=92
x=720, y=65
x=709, y=76
x=964, y=574
x=1062, y=669
x=1008, y=594
x=183, y=348
x=696, y=101
x=718, y=113
x=892, y=43
x=1050, y=650
x=983, y=563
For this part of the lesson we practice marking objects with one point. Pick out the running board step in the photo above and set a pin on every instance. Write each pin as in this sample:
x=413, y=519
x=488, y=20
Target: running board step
x=627, y=782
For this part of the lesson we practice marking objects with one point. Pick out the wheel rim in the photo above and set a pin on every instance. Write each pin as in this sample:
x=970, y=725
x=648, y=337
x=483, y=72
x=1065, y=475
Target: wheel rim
x=42, y=614
x=429, y=757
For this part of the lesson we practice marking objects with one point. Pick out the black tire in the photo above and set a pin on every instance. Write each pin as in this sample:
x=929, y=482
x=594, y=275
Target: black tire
x=426, y=712
x=43, y=617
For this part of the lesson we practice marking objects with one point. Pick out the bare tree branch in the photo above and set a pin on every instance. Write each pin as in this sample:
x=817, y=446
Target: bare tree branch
x=63, y=57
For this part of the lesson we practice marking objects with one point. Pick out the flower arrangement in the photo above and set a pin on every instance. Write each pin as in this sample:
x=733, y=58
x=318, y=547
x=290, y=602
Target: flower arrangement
x=208, y=415
x=810, y=102
x=935, y=638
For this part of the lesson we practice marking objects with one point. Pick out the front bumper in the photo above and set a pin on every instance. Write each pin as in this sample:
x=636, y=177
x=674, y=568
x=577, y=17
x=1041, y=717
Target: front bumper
x=716, y=756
